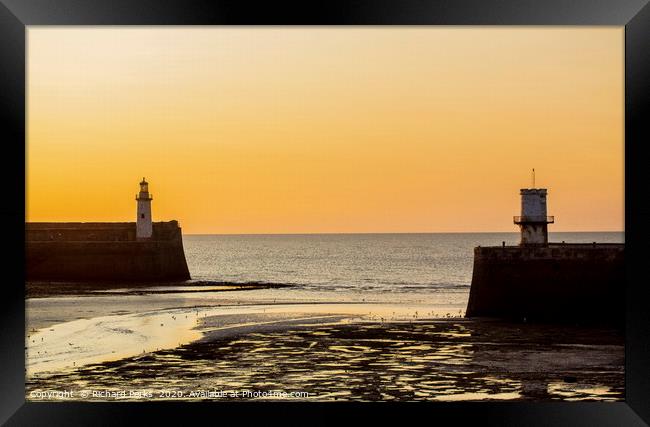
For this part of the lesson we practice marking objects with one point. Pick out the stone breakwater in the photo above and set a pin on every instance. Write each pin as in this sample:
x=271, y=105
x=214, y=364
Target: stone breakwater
x=584, y=283
x=103, y=252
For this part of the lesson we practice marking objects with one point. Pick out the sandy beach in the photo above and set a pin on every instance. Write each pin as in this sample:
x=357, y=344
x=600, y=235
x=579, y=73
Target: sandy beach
x=170, y=344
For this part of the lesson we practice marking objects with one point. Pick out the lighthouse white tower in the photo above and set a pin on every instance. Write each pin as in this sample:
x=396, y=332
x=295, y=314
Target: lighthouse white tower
x=144, y=227
x=533, y=221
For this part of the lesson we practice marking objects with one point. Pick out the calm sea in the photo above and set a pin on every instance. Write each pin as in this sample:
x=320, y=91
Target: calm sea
x=426, y=264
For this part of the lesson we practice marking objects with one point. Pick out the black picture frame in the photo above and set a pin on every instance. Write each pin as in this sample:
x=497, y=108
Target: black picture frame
x=16, y=15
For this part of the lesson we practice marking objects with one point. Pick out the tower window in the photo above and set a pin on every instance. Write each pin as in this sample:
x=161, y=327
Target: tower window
x=142, y=216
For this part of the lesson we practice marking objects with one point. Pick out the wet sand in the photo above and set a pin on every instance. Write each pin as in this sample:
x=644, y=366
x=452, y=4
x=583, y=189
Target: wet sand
x=153, y=347
x=49, y=289
x=52, y=346
x=423, y=360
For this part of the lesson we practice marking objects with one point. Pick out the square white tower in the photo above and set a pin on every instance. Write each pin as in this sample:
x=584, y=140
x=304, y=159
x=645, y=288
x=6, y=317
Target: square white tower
x=533, y=221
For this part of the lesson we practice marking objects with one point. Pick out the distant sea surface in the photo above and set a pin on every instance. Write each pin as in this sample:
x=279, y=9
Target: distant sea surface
x=433, y=266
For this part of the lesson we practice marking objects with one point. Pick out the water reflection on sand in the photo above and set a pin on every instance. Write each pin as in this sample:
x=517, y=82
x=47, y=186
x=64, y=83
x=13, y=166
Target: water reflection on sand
x=83, y=341
x=335, y=354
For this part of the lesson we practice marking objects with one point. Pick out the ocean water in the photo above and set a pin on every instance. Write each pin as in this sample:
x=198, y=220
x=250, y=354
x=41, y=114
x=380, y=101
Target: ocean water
x=424, y=264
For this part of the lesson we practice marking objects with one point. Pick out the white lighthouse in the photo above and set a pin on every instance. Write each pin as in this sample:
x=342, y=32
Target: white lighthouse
x=533, y=220
x=144, y=227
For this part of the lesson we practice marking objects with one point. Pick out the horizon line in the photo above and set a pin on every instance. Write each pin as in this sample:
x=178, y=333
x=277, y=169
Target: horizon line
x=390, y=232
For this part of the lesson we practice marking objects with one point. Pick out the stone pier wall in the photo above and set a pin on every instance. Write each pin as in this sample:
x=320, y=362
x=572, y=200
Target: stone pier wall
x=103, y=252
x=559, y=282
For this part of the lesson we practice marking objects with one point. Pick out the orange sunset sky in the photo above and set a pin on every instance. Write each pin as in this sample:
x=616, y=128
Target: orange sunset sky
x=314, y=129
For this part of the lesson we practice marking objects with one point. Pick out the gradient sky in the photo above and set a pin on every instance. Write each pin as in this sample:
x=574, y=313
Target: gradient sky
x=342, y=129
